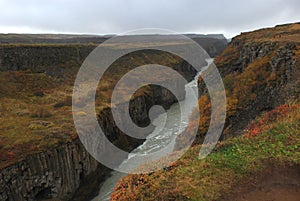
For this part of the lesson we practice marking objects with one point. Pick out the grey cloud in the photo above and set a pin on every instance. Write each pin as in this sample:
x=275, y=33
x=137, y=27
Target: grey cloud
x=115, y=16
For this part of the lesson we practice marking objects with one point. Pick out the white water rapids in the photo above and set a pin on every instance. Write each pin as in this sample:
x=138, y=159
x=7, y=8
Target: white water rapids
x=157, y=139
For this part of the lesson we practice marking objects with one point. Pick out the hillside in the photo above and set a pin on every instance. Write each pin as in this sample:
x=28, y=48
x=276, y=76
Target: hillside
x=260, y=71
x=237, y=166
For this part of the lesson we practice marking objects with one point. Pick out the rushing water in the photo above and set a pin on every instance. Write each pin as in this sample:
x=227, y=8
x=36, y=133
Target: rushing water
x=161, y=136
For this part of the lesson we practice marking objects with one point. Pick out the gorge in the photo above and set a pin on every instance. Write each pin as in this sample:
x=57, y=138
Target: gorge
x=46, y=160
x=43, y=159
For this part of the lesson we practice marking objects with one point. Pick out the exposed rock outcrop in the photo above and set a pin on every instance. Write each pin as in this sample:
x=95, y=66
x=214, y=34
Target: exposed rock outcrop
x=53, y=173
x=51, y=59
x=260, y=71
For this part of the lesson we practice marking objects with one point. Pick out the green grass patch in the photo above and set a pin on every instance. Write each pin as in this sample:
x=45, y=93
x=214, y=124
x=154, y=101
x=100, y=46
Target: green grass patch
x=232, y=162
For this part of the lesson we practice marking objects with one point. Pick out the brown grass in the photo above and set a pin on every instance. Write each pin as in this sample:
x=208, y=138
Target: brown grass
x=36, y=109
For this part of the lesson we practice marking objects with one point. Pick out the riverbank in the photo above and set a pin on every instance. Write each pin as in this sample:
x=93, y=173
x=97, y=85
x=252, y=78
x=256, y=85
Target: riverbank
x=231, y=168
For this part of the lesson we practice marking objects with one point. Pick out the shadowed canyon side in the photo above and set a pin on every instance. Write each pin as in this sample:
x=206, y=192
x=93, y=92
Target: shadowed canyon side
x=260, y=71
x=52, y=173
x=41, y=156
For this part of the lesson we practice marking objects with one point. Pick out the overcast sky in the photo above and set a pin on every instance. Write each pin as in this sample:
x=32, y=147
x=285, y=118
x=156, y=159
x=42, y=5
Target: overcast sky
x=117, y=16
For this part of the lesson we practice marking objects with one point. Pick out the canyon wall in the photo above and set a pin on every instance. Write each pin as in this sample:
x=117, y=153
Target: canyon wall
x=54, y=173
x=271, y=71
x=260, y=71
x=52, y=59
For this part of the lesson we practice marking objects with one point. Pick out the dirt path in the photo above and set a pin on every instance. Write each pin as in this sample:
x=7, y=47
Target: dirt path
x=273, y=184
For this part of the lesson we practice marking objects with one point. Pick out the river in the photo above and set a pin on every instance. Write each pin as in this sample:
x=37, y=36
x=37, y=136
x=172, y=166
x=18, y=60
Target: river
x=161, y=136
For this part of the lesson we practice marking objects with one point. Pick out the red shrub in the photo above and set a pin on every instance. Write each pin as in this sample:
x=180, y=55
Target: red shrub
x=261, y=125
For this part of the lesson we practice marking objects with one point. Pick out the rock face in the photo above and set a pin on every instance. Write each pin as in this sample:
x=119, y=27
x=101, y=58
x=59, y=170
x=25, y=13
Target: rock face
x=260, y=71
x=52, y=59
x=281, y=62
x=53, y=173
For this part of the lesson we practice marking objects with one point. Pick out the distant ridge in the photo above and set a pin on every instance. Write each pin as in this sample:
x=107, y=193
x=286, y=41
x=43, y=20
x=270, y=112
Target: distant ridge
x=214, y=44
x=74, y=38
